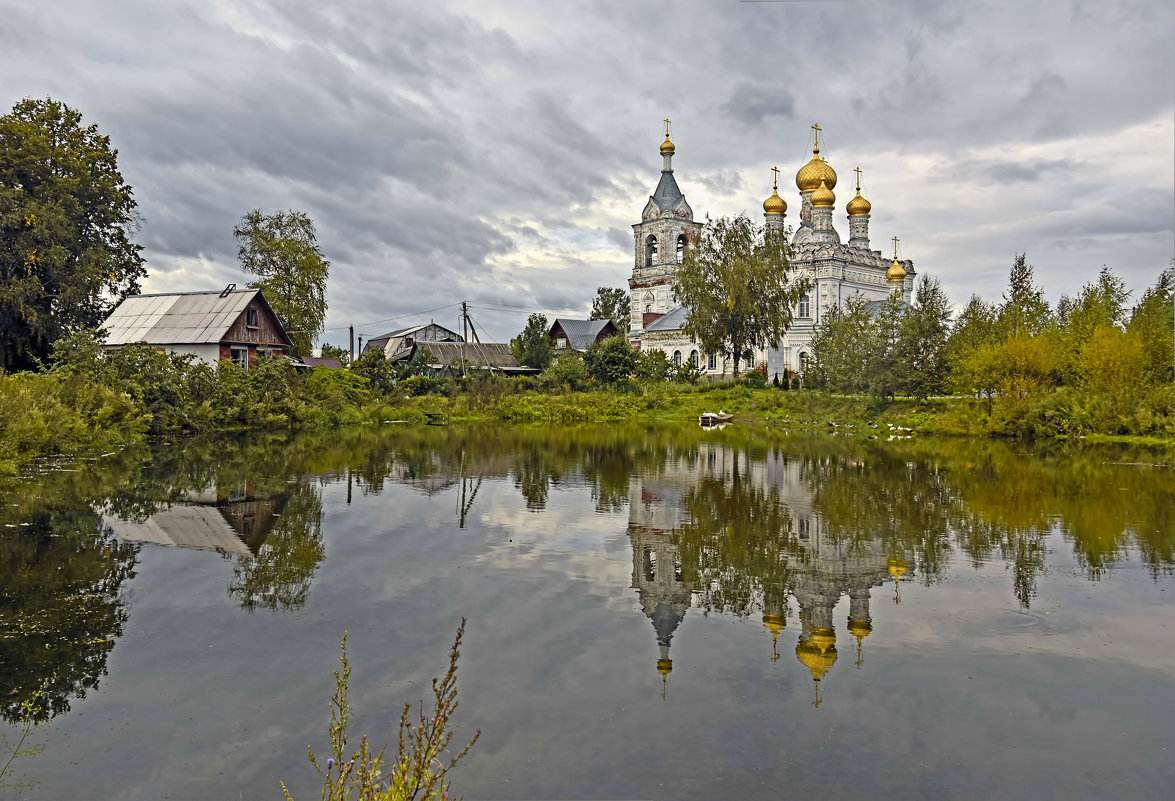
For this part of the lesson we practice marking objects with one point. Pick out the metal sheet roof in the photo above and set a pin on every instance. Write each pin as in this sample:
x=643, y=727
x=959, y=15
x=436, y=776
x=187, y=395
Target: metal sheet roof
x=580, y=333
x=177, y=318
x=670, y=321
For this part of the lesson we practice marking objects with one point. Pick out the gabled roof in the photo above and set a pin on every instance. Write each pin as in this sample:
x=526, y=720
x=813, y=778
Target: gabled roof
x=670, y=321
x=580, y=333
x=179, y=317
x=476, y=353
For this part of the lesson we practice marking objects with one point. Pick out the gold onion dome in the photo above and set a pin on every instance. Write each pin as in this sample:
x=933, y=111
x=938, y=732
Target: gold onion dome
x=823, y=197
x=811, y=174
x=667, y=148
x=774, y=623
x=775, y=204
x=858, y=206
x=860, y=628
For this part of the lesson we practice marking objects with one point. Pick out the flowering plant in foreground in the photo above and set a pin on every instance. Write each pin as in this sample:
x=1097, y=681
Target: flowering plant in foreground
x=418, y=771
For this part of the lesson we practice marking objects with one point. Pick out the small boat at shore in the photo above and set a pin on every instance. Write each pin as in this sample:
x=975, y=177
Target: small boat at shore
x=714, y=418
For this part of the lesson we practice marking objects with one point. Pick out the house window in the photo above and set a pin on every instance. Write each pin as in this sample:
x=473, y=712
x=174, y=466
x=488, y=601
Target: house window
x=240, y=356
x=650, y=250
x=250, y=318
x=693, y=358
x=560, y=343
x=676, y=358
x=805, y=307
x=680, y=248
x=712, y=361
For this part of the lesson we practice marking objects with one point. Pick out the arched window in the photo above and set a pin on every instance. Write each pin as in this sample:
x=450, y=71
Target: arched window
x=804, y=359
x=648, y=308
x=676, y=358
x=680, y=248
x=712, y=361
x=805, y=307
x=693, y=358
x=650, y=250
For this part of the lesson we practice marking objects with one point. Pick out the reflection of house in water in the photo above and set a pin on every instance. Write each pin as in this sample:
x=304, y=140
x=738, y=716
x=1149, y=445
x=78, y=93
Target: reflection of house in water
x=819, y=570
x=225, y=520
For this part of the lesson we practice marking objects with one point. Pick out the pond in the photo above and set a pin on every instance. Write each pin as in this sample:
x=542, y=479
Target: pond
x=653, y=613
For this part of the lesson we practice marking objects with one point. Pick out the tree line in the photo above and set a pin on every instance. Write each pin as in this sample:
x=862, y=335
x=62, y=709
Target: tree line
x=1092, y=363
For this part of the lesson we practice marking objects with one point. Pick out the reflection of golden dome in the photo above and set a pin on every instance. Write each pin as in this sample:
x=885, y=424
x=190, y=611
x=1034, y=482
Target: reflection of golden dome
x=823, y=197
x=816, y=659
x=860, y=628
x=667, y=148
x=858, y=206
x=665, y=667
x=775, y=204
x=896, y=565
x=774, y=623
x=815, y=171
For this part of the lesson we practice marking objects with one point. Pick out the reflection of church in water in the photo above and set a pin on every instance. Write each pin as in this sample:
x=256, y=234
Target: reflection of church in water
x=821, y=571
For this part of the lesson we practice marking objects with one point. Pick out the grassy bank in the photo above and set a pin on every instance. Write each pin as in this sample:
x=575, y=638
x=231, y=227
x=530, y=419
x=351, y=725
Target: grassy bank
x=87, y=403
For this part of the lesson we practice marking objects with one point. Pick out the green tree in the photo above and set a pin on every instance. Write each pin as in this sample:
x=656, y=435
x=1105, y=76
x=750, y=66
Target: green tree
x=653, y=366
x=923, y=344
x=841, y=348
x=610, y=360
x=66, y=218
x=1024, y=310
x=1153, y=323
x=975, y=327
x=532, y=347
x=282, y=249
x=332, y=352
x=611, y=304
x=736, y=286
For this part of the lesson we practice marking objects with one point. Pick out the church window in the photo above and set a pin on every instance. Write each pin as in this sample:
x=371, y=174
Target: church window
x=712, y=361
x=676, y=358
x=648, y=308
x=804, y=362
x=805, y=306
x=650, y=250
x=693, y=358
x=680, y=248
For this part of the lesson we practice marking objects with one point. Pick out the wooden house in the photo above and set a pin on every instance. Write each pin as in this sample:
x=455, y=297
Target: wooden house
x=578, y=335
x=235, y=324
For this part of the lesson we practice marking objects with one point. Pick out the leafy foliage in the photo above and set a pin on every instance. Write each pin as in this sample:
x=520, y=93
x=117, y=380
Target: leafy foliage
x=532, y=347
x=610, y=360
x=282, y=250
x=612, y=304
x=66, y=219
x=419, y=769
x=735, y=283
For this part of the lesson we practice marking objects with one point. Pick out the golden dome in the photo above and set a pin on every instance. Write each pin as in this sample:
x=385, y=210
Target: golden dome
x=774, y=623
x=823, y=197
x=667, y=148
x=815, y=171
x=858, y=206
x=816, y=659
x=860, y=628
x=895, y=273
x=775, y=204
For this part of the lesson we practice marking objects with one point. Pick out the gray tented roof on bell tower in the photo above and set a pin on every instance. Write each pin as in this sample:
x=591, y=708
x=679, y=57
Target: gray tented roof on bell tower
x=667, y=195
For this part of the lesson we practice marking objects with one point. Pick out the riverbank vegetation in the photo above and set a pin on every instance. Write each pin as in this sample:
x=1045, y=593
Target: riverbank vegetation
x=1091, y=366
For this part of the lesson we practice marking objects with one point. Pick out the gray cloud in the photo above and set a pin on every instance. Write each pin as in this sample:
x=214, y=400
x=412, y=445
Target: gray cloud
x=499, y=151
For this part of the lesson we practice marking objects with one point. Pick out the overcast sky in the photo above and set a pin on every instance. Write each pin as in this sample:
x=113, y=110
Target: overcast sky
x=499, y=152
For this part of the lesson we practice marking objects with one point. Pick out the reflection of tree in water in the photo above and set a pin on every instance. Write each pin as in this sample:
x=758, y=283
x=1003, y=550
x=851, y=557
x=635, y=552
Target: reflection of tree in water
x=278, y=578
x=533, y=478
x=61, y=608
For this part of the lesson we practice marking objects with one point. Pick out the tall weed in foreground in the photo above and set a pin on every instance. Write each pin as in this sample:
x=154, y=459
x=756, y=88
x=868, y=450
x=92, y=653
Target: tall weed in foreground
x=419, y=770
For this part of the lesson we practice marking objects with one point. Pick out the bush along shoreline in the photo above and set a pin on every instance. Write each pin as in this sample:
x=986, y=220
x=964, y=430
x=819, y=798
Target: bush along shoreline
x=88, y=401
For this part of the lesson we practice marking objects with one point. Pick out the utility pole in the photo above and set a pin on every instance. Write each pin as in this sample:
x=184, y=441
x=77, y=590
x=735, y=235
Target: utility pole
x=360, y=345
x=352, y=358
x=464, y=320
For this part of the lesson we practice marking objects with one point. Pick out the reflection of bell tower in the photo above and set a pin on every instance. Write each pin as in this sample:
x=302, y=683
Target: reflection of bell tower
x=656, y=576
x=860, y=624
x=774, y=615
x=816, y=648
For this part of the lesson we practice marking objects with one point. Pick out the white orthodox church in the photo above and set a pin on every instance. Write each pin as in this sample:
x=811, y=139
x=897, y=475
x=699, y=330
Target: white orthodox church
x=835, y=270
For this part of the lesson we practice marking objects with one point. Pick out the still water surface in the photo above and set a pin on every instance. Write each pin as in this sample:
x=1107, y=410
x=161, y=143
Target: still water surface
x=653, y=613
